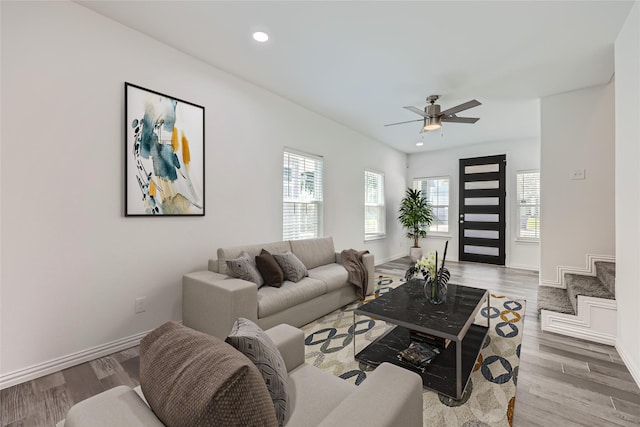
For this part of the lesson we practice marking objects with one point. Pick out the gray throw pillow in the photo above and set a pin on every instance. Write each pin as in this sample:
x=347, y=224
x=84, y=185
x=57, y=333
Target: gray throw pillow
x=254, y=343
x=294, y=269
x=191, y=379
x=244, y=267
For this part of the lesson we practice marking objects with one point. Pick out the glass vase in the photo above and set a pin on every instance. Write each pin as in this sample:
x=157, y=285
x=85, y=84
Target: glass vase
x=436, y=290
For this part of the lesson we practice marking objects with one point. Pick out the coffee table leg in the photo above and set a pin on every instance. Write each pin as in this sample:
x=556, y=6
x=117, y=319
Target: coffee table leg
x=354, y=335
x=489, y=310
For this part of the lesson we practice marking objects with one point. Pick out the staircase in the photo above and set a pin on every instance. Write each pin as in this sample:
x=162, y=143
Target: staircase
x=585, y=309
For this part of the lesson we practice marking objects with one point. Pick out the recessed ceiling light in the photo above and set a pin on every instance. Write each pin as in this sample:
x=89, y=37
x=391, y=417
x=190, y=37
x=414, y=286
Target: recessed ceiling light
x=260, y=36
x=419, y=143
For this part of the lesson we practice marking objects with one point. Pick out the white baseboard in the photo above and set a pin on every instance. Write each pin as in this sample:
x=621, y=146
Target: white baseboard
x=634, y=370
x=589, y=270
x=391, y=258
x=596, y=321
x=45, y=368
x=524, y=267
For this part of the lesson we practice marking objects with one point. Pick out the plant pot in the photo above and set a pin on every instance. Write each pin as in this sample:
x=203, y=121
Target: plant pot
x=415, y=253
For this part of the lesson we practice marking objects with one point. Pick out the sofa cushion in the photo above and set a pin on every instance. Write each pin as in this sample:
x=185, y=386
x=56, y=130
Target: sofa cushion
x=254, y=343
x=334, y=275
x=273, y=300
x=193, y=379
x=234, y=251
x=294, y=270
x=314, y=252
x=244, y=267
x=269, y=269
x=313, y=394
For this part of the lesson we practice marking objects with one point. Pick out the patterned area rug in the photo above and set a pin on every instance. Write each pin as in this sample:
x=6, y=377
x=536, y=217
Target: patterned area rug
x=490, y=395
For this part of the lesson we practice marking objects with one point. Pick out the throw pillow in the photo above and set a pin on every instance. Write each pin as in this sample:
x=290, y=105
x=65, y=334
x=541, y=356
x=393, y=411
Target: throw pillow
x=193, y=379
x=244, y=267
x=271, y=272
x=294, y=270
x=254, y=343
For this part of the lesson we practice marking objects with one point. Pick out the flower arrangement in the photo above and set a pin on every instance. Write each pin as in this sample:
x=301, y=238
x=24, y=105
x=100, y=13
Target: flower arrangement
x=434, y=273
x=427, y=266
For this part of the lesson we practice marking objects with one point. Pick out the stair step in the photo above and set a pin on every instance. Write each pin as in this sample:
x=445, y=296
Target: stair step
x=606, y=272
x=588, y=286
x=554, y=299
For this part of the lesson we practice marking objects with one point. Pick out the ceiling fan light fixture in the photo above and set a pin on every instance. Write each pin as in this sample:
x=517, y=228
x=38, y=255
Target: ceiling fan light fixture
x=432, y=123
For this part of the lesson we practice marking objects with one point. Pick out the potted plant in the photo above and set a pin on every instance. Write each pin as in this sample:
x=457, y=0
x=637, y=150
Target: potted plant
x=415, y=215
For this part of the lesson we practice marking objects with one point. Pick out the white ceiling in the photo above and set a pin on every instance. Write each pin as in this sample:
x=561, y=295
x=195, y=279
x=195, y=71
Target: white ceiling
x=360, y=62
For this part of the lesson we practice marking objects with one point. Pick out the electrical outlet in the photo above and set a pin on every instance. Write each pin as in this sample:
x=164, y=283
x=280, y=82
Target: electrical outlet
x=141, y=304
x=577, y=174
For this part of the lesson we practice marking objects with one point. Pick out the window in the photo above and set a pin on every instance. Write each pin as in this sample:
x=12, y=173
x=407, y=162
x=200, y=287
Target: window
x=374, y=212
x=528, y=194
x=301, y=195
x=436, y=190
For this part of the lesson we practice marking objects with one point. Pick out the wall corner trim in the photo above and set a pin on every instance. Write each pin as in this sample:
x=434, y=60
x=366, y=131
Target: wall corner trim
x=634, y=370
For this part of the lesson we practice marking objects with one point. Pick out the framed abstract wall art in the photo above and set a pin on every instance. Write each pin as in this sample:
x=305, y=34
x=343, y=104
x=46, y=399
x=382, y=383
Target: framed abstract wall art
x=164, y=154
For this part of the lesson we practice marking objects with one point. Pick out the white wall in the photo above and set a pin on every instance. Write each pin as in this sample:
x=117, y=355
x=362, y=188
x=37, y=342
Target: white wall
x=577, y=216
x=521, y=155
x=627, y=190
x=72, y=264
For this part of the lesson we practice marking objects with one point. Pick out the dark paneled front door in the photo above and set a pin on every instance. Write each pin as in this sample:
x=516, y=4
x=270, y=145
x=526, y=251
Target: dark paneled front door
x=482, y=209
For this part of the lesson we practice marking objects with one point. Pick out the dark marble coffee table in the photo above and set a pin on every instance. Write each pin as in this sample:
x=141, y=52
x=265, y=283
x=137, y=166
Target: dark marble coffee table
x=407, y=308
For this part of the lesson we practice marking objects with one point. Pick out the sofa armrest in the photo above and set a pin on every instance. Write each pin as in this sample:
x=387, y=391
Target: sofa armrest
x=119, y=406
x=369, y=263
x=212, y=302
x=290, y=343
x=390, y=396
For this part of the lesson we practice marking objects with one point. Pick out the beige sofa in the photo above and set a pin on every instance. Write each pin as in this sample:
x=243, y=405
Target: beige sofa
x=390, y=396
x=212, y=300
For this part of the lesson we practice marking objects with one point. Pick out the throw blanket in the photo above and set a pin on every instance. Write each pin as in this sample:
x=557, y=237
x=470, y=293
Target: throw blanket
x=358, y=275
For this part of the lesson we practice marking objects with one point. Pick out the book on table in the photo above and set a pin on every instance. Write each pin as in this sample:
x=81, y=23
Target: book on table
x=419, y=354
x=429, y=339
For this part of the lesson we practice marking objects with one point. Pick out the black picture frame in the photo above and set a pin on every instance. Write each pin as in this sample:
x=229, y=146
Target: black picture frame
x=164, y=154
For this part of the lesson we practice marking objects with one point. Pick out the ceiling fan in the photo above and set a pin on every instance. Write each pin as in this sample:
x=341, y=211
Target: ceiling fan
x=433, y=117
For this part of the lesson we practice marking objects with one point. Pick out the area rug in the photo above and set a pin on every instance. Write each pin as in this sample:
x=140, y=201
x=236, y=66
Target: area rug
x=490, y=395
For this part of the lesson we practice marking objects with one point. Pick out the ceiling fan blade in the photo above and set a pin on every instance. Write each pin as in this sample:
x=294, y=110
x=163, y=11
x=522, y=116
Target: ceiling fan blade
x=408, y=121
x=461, y=107
x=417, y=111
x=459, y=119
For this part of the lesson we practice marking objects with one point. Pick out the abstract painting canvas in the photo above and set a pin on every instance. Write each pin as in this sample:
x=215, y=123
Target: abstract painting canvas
x=164, y=154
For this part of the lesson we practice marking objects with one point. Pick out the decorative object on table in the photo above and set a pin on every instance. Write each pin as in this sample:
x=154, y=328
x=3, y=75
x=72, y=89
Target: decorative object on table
x=164, y=154
x=435, y=279
x=489, y=398
x=432, y=340
x=415, y=215
x=419, y=354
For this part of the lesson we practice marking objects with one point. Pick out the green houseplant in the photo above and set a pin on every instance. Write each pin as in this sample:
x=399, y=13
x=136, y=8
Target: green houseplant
x=415, y=214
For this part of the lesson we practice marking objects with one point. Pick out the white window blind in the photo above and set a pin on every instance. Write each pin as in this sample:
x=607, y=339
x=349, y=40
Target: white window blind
x=301, y=196
x=436, y=190
x=528, y=194
x=374, y=211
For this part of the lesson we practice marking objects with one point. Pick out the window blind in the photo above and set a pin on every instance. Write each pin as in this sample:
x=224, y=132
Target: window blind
x=302, y=177
x=528, y=194
x=374, y=210
x=436, y=190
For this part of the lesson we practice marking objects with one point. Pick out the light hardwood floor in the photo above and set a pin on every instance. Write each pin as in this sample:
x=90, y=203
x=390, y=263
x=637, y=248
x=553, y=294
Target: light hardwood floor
x=561, y=381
